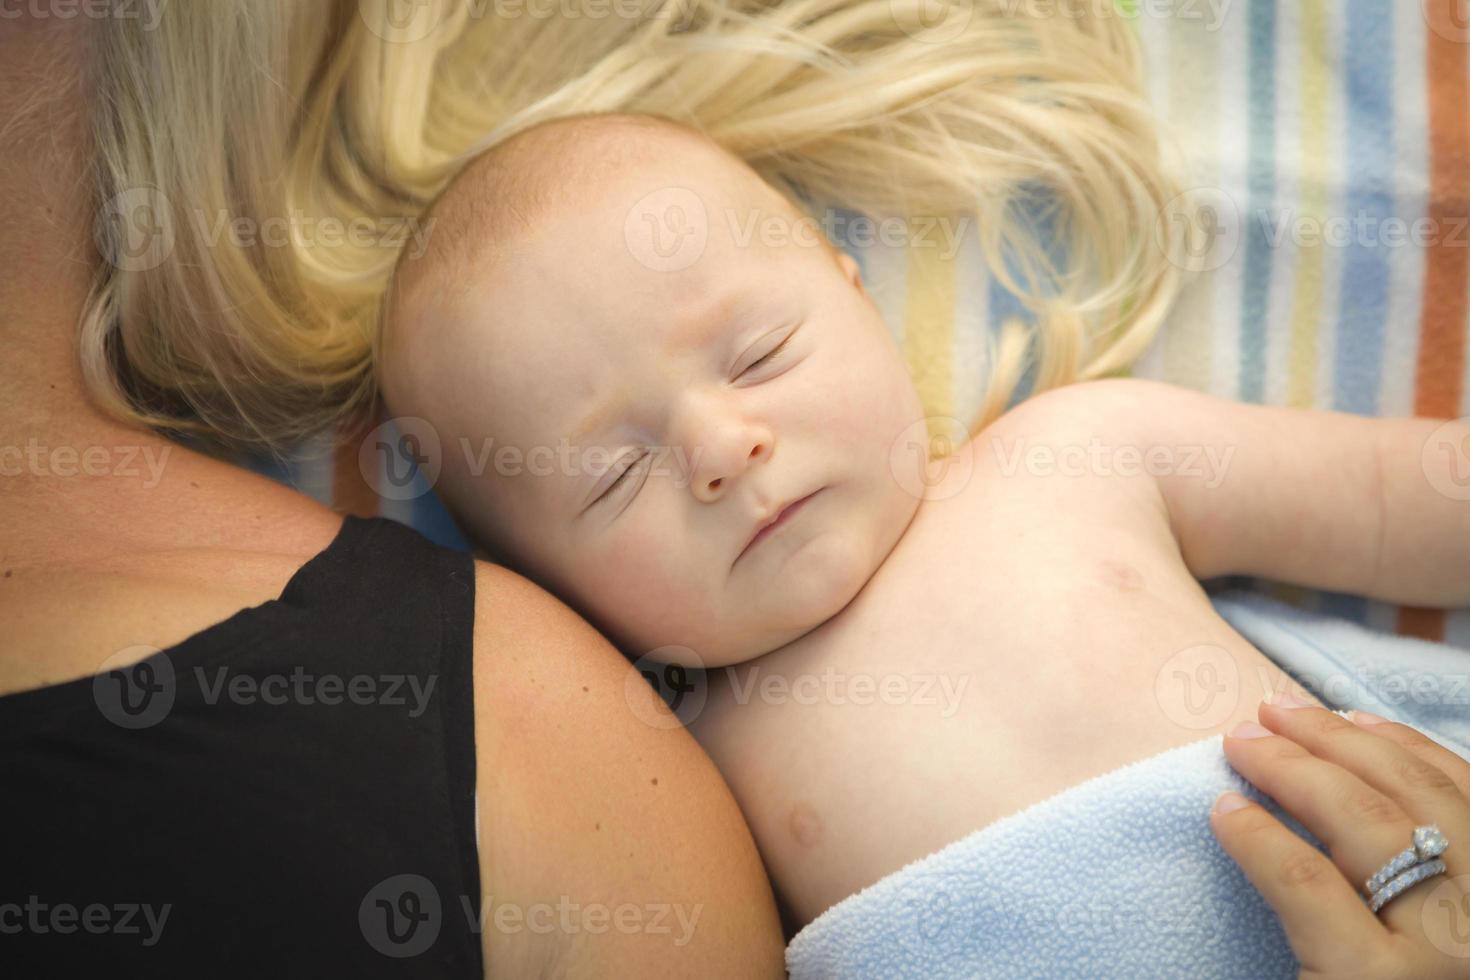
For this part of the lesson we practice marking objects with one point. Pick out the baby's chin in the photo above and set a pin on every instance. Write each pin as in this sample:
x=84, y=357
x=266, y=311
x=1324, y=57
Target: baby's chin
x=781, y=616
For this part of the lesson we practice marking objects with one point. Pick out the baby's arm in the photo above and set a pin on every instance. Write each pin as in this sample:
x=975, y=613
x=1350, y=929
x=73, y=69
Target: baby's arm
x=1321, y=499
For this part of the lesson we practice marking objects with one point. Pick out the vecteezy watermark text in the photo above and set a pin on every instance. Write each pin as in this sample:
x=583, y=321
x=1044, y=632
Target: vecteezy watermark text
x=301, y=687
x=837, y=688
x=1211, y=13
x=137, y=687
x=402, y=916
x=1098, y=458
x=39, y=459
x=64, y=918
x=627, y=918
x=150, y=12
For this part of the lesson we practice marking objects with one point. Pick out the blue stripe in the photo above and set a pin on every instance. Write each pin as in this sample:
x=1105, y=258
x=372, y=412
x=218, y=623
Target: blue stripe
x=433, y=520
x=1035, y=210
x=1368, y=77
x=1261, y=182
x=1353, y=608
x=843, y=227
x=302, y=468
x=1005, y=306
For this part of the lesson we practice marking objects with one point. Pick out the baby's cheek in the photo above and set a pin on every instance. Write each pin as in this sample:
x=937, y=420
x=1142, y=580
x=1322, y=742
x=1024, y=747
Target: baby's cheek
x=645, y=579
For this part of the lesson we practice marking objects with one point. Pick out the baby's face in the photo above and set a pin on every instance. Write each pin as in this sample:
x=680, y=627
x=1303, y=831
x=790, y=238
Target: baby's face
x=664, y=411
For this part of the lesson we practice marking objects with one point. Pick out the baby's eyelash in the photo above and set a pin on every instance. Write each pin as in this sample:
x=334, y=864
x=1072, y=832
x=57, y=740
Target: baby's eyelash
x=773, y=354
x=614, y=485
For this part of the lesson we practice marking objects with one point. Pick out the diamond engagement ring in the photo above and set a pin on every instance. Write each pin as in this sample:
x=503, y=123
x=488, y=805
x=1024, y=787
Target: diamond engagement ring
x=1409, y=867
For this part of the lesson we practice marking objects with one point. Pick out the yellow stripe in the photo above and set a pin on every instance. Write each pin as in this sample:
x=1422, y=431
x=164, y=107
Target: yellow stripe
x=1193, y=54
x=1306, y=306
x=928, y=336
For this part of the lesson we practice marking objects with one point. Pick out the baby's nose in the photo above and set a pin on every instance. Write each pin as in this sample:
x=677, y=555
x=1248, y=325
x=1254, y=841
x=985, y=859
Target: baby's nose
x=716, y=464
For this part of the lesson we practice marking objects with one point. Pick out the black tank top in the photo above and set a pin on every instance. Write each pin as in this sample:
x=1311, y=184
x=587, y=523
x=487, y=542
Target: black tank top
x=288, y=793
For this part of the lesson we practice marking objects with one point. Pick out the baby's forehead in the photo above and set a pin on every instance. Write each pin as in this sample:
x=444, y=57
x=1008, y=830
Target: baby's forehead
x=544, y=242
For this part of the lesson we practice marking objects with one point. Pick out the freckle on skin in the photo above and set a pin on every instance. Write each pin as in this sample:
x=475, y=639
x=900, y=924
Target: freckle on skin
x=655, y=780
x=805, y=825
x=584, y=688
x=1120, y=575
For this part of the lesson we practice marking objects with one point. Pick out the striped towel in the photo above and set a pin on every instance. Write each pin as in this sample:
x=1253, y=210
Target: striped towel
x=1332, y=138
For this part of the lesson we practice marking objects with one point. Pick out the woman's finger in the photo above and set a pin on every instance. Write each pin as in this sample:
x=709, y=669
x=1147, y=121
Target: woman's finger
x=1396, y=779
x=1362, y=827
x=1328, y=926
x=1421, y=745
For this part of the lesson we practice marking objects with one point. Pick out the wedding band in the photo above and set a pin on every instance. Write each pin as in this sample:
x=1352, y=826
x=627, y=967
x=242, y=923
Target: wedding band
x=1428, y=843
x=1404, y=882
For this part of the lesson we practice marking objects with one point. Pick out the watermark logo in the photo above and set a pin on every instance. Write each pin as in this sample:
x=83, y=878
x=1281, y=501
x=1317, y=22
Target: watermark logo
x=667, y=230
x=134, y=231
x=135, y=687
x=932, y=21
x=1445, y=916
x=941, y=906
x=1445, y=459
x=401, y=459
x=1450, y=19
x=932, y=459
x=401, y=21
x=1199, y=230
x=667, y=688
x=1198, y=687
x=401, y=916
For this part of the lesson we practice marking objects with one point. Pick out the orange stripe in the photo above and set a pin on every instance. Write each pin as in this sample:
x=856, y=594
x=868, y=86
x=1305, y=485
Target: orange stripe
x=1440, y=368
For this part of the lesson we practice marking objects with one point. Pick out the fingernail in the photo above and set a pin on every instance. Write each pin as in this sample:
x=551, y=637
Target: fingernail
x=1249, y=729
x=1366, y=718
x=1229, y=801
x=1285, y=699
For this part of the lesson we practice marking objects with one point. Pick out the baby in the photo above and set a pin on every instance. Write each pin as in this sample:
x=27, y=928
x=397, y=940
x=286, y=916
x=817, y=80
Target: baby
x=721, y=461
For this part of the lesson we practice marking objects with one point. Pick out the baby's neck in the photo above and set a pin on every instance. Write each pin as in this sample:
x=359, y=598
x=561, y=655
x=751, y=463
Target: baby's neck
x=820, y=630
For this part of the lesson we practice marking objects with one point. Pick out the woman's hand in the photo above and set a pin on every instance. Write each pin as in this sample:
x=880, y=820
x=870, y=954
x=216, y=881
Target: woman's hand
x=1361, y=789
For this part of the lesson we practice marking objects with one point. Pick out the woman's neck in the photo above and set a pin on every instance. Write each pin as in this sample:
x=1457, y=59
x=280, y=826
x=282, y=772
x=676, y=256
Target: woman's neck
x=66, y=467
x=47, y=257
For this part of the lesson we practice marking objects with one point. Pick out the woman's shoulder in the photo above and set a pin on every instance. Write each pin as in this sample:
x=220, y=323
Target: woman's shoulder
x=598, y=812
x=129, y=566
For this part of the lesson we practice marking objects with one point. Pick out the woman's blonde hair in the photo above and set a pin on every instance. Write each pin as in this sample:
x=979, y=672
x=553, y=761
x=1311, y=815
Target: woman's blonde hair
x=251, y=129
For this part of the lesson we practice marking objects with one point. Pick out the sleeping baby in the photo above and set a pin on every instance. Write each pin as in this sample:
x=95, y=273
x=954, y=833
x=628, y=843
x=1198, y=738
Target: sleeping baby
x=725, y=467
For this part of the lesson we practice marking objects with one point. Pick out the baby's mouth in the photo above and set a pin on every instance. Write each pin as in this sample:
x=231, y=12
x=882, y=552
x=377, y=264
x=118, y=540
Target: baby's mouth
x=782, y=518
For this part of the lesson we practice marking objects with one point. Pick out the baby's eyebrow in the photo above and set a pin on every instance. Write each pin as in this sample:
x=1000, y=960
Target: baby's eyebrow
x=603, y=417
x=702, y=326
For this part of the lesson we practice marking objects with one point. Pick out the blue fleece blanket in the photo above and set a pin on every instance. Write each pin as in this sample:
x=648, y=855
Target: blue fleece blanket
x=1121, y=876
